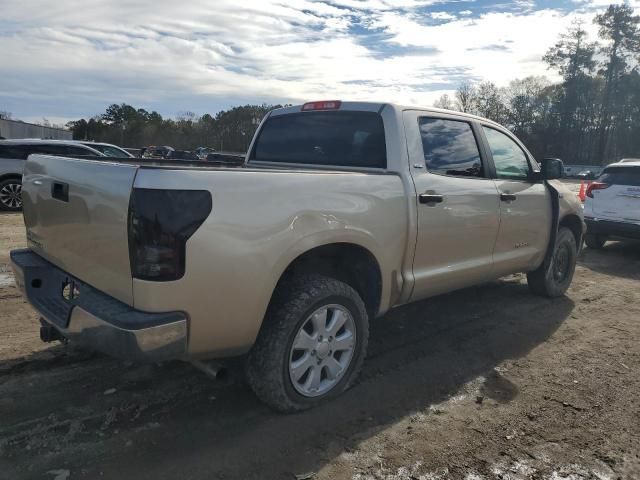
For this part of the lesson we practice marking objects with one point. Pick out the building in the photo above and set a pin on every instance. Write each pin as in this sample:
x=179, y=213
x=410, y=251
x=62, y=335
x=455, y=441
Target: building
x=16, y=129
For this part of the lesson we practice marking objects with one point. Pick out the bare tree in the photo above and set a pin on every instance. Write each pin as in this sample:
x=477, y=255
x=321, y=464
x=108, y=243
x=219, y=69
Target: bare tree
x=444, y=102
x=490, y=103
x=466, y=98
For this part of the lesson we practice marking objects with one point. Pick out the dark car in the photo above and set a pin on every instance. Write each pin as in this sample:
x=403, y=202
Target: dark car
x=153, y=151
x=587, y=175
x=182, y=155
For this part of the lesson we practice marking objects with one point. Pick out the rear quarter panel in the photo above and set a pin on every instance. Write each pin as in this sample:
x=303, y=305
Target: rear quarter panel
x=260, y=222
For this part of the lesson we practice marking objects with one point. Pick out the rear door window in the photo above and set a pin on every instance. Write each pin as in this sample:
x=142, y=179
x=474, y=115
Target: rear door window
x=349, y=139
x=629, y=176
x=450, y=147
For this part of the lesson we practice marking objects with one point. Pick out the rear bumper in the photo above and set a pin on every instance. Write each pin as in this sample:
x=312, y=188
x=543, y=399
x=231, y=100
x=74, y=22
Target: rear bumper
x=614, y=229
x=94, y=320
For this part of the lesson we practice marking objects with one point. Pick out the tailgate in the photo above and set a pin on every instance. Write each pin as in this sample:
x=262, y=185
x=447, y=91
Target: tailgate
x=75, y=212
x=620, y=199
x=618, y=202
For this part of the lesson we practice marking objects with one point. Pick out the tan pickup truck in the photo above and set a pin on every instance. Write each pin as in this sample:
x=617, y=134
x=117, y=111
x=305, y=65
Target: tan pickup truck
x=341, y=211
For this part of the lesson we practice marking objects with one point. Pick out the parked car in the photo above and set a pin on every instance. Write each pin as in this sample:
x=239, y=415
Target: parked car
x=344, y=210
x=108, y=149
x=156, y=152
x=182, y=155
x=586, y=175
x=202, y=152
x=135, y=152
x=13, y=154
x=612, y=204
x=629, y=160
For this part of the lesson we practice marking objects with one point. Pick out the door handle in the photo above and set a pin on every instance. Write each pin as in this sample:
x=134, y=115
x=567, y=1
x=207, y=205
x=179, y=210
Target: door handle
x=430, y=198
x=507, y=197
x=60, y=191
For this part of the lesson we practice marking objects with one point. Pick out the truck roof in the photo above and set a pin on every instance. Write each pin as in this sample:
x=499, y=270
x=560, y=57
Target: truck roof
x=378, y=106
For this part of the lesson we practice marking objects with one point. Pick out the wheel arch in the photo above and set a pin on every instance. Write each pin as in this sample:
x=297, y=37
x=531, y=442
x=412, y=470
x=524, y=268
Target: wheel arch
x=8, y=176
x=574, y=223
x=348, y=262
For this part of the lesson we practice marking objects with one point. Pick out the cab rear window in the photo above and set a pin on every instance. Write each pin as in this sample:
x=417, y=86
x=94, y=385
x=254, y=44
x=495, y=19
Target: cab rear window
x=621, y=176
x=349, y=139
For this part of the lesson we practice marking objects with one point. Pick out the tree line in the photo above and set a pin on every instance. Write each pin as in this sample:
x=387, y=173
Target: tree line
x=591, y=117
x=229, y=130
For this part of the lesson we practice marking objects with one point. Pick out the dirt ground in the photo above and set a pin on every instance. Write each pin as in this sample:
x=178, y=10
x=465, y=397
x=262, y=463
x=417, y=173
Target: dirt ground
x=486, y=383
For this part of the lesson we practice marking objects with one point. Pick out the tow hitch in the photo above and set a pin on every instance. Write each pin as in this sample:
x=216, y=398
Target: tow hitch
x=49, y=334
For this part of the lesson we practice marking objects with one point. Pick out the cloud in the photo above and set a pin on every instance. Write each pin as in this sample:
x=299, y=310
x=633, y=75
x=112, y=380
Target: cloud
x=442, y=16
x=71, y=58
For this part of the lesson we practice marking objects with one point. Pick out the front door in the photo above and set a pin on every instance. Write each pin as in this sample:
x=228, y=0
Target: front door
x=457, y=204
x=525, y=206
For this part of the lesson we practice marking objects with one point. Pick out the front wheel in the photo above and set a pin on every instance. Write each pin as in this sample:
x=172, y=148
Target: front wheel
x=553, y=279
x=11, y=194
x=311, y=345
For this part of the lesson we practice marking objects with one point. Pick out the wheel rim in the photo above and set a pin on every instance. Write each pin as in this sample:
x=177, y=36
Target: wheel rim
x=561, y=264
x=11, y=195
x=322, y=350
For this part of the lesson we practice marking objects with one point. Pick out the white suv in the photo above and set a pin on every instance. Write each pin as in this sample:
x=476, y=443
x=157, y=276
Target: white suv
x=612, y=204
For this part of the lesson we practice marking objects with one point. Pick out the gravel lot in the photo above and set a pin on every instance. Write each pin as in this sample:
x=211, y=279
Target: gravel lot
x=489, y=382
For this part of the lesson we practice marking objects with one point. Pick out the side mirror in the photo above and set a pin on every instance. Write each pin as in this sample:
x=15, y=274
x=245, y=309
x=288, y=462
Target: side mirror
x=552, y=168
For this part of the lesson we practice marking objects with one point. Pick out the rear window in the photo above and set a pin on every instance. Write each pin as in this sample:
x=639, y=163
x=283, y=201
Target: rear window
x=621, y=176
x=13, y=151
x=350, y=139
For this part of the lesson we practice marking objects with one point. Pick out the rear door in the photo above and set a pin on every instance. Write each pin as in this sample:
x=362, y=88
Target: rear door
x=75, y=213
x=457, y=203
x=620, y=201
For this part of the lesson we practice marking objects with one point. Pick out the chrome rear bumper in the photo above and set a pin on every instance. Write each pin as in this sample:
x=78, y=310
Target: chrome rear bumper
x=94, y=320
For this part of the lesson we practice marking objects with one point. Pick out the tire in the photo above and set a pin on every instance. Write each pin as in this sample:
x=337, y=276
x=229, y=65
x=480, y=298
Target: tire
x=11, y=195
x=276, y=369
x=554, y=280
x=595, y=242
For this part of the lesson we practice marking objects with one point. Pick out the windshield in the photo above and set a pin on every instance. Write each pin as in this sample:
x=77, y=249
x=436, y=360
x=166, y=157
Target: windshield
x=353, y=139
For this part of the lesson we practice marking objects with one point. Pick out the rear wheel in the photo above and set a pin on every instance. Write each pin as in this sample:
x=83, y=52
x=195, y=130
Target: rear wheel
x=11, y=194
x=311, y=346
x=594, y=241
x=553, y=279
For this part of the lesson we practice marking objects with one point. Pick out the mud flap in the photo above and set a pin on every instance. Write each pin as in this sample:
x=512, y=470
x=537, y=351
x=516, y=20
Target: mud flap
x=555, y=221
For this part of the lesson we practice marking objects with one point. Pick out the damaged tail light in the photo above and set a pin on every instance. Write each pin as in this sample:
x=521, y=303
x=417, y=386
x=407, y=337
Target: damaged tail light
x=160, y=223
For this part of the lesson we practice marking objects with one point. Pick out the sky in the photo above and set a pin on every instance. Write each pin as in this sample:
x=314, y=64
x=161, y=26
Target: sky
x=69, y=59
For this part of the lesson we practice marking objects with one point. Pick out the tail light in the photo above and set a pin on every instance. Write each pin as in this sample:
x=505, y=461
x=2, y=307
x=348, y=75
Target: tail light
x=595, y=186
x=160, y=223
